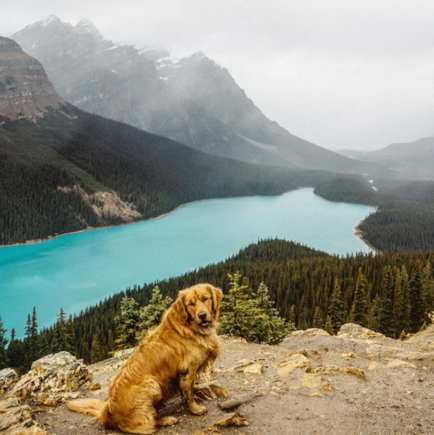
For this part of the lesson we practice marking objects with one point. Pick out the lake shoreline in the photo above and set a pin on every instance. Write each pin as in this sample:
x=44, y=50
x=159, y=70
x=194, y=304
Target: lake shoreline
x=359, y=234
x=34, y=241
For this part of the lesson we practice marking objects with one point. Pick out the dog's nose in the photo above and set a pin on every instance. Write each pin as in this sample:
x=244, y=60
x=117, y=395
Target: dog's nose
x=202, y=315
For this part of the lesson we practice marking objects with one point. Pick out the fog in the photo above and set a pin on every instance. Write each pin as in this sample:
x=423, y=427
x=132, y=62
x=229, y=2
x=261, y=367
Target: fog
x=340, y=74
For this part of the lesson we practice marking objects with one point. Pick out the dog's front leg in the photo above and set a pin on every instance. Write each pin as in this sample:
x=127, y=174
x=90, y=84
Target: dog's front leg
x=186, y=385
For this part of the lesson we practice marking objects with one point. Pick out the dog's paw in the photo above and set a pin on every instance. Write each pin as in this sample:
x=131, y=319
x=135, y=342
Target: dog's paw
x=198, y=409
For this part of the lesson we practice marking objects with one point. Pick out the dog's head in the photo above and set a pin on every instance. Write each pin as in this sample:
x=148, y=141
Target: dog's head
x=198, y=307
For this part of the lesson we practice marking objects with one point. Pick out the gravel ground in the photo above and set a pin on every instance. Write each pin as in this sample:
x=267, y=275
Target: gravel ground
x=356, y=383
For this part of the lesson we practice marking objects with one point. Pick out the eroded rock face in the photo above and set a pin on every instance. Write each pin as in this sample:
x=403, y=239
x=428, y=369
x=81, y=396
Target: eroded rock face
x=53, y=374
x=7, y=378
x=25, y=91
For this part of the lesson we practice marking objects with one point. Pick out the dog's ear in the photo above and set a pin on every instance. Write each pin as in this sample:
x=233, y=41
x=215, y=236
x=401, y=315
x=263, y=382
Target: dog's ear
x=216, y=295
x=179, y=310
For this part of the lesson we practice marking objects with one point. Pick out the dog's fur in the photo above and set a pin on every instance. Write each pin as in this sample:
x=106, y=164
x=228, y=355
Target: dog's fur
x=164, y=362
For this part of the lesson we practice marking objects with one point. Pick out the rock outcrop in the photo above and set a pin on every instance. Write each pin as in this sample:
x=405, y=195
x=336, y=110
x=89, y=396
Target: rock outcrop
x=25, y=91
x=53, y=376
x=356, y=382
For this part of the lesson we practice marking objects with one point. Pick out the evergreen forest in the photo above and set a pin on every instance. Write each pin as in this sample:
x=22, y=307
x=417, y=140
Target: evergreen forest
x=390, y=293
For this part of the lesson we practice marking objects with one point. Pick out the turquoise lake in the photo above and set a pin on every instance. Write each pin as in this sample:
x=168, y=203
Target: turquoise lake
x=78, y=270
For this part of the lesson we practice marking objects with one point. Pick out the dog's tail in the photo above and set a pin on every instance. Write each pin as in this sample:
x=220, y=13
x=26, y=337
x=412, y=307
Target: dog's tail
x=91, y=407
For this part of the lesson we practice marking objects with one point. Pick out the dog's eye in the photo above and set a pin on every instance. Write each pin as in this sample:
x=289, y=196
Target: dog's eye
x=191, y=304
x=204, y=299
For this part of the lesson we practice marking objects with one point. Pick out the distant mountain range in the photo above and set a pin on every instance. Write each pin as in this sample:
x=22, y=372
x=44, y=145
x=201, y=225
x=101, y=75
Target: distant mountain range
x=192, y=100
x=63, y=170
x=414, y=160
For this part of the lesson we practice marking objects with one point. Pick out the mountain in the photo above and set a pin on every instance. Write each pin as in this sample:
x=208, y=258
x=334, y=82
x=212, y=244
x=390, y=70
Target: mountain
x=193, y=100
x=25, y=91
x=63, y=170
x=414, y=160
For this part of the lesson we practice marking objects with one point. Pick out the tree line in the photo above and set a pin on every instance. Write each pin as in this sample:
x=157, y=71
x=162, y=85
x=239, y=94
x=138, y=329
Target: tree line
x=390, y=293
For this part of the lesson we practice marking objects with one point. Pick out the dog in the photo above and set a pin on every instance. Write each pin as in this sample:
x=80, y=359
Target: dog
x=165, y=361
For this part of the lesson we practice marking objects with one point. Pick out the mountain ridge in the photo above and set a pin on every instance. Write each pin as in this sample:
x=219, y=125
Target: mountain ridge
x=125, y=84
x=413, y=160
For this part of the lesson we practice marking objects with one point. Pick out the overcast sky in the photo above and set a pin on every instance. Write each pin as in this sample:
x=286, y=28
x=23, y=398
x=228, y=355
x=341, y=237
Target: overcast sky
x=340, y=73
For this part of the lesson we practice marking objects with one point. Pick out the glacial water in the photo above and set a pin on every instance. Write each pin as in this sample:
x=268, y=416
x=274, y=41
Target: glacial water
x=78, y=270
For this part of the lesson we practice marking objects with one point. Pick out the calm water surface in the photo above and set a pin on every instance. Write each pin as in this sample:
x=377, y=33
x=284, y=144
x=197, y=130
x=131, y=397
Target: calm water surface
x=77, y=270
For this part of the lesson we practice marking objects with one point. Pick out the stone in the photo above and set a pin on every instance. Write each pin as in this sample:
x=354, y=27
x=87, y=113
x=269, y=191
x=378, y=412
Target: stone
x=209, y=431
x=210, y=390
x=396, y=363
x=351, y=330
x=372, y=366
x=93, y=386
x=14, y=417
x=304, y=352
x=292, y=363
x=233, y=419
x=311, y=332
x=315, y=381
x=328, y=370
x=255, y=368
x=7, y=378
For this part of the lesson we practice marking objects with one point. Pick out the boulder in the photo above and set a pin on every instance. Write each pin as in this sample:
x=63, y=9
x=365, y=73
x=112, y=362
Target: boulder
x=54, y=374
x=351, y=330
x=7, y=378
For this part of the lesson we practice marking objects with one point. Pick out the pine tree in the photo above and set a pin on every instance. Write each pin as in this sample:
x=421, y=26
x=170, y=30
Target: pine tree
x=85, y=354
x=15, y=352
x=374, y=313
x=150, y=316
x=126, y=324
x=63, y=339
x=428, y=291
x=3, y=344
x=418, y=307
x=31, y=348
x=318, y=321
x=251, y=315
x=360, y=305
x=406, y=308
x=96, y=353
x=44, y=347
x=336, y=308
x=292, y=317
x=329, y=326
x=386, y=308
x=110, y=341
x=273, y=328
x=398, y=305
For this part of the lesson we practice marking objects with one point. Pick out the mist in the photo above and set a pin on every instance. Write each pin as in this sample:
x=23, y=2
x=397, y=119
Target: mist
x=340, y=74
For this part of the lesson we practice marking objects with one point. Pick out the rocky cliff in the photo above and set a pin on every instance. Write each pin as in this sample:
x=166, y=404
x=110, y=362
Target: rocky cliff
x=356, y=382
x=25, y=91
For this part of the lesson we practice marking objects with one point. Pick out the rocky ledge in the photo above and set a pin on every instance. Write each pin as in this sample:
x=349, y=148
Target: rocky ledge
x=356, y=382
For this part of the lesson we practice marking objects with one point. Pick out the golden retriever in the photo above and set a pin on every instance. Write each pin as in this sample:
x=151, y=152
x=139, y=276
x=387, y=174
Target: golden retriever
x=165, y=361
